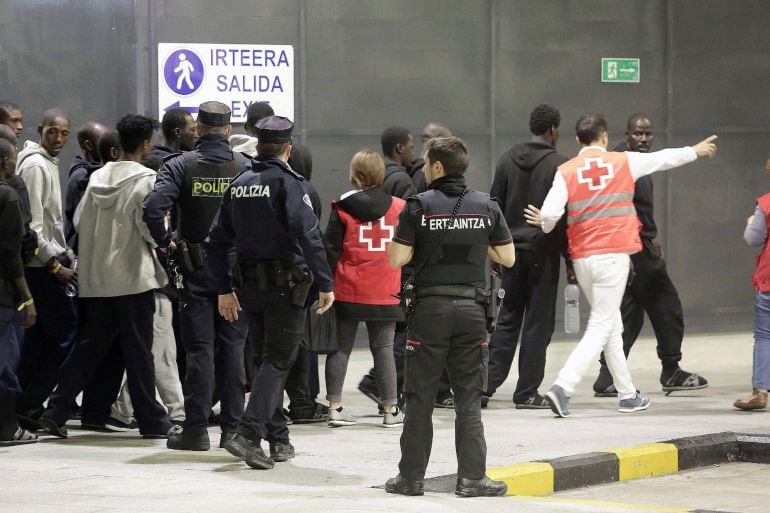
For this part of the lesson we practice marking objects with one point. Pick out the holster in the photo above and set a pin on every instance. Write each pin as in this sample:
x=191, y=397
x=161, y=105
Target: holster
x=190, y=256
x=278, y=274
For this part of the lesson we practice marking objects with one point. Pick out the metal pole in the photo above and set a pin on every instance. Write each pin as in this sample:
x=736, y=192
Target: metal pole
x=300, y=114
x=492, y=84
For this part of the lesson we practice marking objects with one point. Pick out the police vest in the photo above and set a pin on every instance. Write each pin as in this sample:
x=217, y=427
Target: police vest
x=761, y=278
x=460, y=259
x=363, y=274
x=204, y=185
x=601, y=217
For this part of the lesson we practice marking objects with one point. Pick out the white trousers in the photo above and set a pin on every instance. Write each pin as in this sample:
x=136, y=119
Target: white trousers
x=603, y=280
x=167, y=383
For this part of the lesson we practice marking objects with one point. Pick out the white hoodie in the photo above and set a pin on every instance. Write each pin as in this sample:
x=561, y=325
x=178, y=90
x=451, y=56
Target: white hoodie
x=40, y=172
x=116, y=249
x=243, y=144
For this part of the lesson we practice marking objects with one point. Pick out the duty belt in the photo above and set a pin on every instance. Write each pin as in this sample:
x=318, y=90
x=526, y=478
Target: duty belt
x=463, y=291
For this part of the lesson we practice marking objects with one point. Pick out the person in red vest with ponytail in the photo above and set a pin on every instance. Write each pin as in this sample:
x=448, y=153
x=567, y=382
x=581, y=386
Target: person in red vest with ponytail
x=597, y=190
x=361, y=225
x=756, y=234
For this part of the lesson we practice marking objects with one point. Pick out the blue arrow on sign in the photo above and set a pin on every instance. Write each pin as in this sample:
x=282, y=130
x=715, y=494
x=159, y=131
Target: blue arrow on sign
x=175, y=105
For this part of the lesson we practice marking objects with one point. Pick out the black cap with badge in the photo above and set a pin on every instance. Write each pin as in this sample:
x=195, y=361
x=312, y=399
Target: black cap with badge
x=274, y=129
x=214, y=114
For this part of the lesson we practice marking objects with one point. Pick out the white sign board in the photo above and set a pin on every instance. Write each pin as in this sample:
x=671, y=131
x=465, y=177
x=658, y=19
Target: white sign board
x=236, y=75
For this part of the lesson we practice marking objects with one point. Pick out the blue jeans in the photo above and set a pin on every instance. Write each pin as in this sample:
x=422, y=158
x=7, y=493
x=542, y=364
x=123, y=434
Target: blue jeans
x=761, y=376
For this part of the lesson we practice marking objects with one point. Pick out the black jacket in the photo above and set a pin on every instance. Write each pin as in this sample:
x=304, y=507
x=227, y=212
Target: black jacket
x=397, y=182
x=11, y=234
x=523, y=176
x=643, y=201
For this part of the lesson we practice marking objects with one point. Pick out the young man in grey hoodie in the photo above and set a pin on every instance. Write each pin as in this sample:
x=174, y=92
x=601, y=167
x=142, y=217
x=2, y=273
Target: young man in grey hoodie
x=47, y=273
x=118, y=275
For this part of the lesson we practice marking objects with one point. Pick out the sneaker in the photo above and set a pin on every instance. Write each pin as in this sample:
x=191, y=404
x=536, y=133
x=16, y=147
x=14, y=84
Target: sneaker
x=403, y=486
x=308, y=416
x=224, y=437
x=445, y=401
x=682, y=380
x=534, y=402
x=49, y=426
x=395, y=419
x=281, y=451
x=484, y=401
x=636, y=403
x=183, y=442
x=173, y=431
x=251, y=452
x=338, y=418
x=119, y=426
x=483, y=487
x=756, y=401
x=93, y=426
x=559, y=401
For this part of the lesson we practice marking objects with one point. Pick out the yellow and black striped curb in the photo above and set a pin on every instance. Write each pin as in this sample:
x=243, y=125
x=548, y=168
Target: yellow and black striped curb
x=622, y=464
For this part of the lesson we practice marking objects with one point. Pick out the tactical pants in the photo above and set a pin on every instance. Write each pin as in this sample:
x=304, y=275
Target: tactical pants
x=276, y=328
x=214, y=349
x=445, y=332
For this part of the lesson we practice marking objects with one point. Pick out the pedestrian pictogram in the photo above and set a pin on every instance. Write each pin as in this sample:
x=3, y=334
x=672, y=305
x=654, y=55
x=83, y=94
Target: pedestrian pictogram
x=183, y=72
x=620, y=70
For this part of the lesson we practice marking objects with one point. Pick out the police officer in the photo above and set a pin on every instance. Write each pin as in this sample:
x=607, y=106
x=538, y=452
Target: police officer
x=448, y=231
x=276, y=265
x=193, y=183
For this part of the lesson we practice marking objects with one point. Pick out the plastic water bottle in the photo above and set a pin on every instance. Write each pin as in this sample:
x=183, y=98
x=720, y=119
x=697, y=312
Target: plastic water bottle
x=571, y=308
x=70, y=289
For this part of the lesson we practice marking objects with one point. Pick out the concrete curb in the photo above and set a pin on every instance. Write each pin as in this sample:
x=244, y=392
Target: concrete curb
x=622, y=464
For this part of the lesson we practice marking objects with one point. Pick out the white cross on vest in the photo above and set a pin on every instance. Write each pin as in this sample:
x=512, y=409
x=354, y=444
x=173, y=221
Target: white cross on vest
x=596, y=173
x=379, y=234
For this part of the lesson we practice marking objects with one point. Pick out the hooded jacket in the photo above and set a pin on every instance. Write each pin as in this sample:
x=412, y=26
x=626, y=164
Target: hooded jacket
x=361, y=225
x=40, y=172
x=523, y=176
x=116, y=248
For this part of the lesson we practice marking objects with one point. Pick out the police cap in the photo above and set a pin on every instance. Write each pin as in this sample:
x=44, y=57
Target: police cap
x=214, y=114
x=274, y=129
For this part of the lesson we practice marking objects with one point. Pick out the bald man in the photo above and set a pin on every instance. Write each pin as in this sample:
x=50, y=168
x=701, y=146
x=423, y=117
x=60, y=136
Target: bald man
x=430, y=131
x=80, y=171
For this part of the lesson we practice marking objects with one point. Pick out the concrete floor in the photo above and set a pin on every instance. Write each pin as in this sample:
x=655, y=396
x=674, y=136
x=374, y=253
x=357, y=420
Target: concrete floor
x=335, y=469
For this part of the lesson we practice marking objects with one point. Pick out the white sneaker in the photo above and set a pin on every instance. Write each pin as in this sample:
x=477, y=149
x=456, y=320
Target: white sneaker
x=339, y=418
x=394, y=419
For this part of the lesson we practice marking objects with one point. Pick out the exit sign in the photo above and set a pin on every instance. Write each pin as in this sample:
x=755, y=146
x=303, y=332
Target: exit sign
x=620, y=70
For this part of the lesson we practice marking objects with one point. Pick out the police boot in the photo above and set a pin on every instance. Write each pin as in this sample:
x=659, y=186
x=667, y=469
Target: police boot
x=400, y=484
x=483, y=487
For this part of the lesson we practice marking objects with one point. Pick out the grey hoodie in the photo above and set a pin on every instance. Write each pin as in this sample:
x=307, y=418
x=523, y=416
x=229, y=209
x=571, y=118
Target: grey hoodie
x=244, y=144
x=116, y=248
x=40, y=172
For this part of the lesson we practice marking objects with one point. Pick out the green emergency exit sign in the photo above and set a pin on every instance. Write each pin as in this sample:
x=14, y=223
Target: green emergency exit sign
x=620, y=70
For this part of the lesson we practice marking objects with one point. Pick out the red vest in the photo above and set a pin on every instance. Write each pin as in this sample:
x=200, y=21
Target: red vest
x=761, y=278
x=601, y=217
x=363, y=274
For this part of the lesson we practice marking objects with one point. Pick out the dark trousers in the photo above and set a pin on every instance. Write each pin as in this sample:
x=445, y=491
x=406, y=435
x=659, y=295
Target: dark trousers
x=449, y=333
x=214, y=350
x=652, y=291
x=276, y=329
x=49, y=341
x=104, y=387
x=11, y=340
x=127, y=320
x=529, y=309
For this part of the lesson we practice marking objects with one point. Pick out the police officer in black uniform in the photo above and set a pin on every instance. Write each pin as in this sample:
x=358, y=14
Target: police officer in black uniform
x=267, y=215
x=193, y=183
x=447, y=232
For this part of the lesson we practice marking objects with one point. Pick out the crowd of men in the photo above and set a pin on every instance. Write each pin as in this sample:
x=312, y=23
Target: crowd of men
x=171, y=277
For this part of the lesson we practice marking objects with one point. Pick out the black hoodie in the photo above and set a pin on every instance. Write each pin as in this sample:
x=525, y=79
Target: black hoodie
x=523, y=176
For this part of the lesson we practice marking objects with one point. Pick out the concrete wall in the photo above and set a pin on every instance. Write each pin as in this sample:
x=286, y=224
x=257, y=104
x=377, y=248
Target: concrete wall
x=478, y=66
